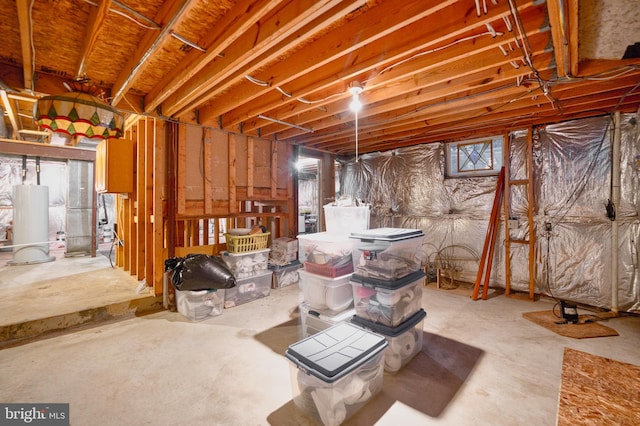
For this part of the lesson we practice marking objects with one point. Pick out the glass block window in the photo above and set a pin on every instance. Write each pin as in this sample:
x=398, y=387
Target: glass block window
x=477, y=157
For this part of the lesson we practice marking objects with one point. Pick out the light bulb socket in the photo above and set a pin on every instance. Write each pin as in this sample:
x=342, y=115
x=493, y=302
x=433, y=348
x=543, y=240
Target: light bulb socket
x=355, y=88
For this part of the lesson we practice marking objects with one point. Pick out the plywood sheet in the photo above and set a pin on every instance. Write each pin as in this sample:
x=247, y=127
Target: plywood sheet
x=194, y=169
x=598, y=391
x=262, y=163
x=219, y=164
x=581, y=330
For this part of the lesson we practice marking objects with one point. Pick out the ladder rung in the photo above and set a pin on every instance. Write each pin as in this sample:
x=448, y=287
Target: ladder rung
x=519, y=241
x=519, y=182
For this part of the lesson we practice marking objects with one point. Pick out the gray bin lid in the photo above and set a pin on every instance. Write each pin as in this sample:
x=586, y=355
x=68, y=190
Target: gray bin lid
x=390, y=331
x=388, y=284
x=387, y=234
x=333, y=353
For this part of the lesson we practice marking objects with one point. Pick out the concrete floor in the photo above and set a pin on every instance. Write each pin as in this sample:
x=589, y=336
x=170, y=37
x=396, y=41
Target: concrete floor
x=42, y=298
x=482, y=363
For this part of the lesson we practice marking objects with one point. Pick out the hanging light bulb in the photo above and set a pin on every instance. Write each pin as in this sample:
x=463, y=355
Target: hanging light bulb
x=355, y=88
x=355, y=104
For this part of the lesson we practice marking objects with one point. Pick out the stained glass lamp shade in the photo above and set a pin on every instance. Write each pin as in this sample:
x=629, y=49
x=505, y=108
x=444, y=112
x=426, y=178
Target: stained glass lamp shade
x=79, y=114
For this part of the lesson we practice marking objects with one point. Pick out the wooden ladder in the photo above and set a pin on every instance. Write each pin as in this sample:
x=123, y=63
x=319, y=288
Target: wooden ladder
x=526, y=182
x=486, y=258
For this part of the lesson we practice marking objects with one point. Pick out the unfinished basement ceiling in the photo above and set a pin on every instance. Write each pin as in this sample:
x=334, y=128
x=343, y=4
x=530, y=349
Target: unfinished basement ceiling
x=432, y=70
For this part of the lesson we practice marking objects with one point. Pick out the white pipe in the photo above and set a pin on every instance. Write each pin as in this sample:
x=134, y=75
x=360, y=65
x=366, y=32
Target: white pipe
x=30, y=244
x=615, y=198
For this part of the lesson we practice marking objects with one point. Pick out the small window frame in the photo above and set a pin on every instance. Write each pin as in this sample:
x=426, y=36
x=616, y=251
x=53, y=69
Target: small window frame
x=459, y=157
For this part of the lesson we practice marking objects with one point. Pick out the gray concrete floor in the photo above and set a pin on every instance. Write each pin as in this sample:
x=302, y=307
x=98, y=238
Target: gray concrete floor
x=481, y=363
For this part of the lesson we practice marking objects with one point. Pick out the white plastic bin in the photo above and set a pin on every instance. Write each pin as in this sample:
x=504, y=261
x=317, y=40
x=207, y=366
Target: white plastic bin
x=248, y=289
x=244, y=265
x=344, y=220
x=405, y=340
x=335, y=372
x=313, y=321
x=333, y=294
x=198, y=305
x=324, y=248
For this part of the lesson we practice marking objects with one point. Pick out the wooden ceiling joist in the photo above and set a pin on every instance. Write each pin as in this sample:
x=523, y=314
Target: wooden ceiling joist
x=94, y=27
x=427, y=67
x=24, y=18
x=171, y=12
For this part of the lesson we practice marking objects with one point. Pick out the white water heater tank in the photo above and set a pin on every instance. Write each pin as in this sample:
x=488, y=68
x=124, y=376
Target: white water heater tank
x=30, y=224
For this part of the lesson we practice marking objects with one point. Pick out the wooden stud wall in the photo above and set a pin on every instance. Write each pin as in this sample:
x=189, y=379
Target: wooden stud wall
x=222, y=180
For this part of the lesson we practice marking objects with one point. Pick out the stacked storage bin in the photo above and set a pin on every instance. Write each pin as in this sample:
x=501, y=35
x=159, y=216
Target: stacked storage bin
x=247, y=258
x=337, y=366
x=328, y=266
x=336, y=371
x=387, y=289
x=324, y=281
x=283, y=262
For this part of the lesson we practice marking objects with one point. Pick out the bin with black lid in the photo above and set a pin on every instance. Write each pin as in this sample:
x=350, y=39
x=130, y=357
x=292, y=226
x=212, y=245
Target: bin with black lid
x=405, y=340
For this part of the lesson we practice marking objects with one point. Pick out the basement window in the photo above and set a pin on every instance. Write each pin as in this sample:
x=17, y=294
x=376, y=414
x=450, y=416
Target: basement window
x=473, y=158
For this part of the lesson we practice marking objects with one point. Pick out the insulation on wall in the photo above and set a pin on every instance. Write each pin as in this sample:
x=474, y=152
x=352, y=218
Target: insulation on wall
x=572, y=185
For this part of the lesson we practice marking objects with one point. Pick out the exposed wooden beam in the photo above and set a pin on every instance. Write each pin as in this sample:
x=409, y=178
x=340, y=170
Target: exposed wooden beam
x=379, y=21
x=94, y=27
x=473, y=116
x=266, y=56
x=444, y=115
x=233, y=24
x=270, y=32
x=24, y=19
x=408, y=91
x=559, y=23
x=58, y=152
x=170, y=14
x=11, y=113
x=572, y=20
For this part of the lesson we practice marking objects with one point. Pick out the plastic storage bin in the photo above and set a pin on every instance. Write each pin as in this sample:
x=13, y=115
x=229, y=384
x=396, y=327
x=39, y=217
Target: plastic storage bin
x=405, y=340
x=244, y=265
x=335, y=372
x=285, y=275
x=344, y=220
x=334, y=294
x=387, y=253
x=313, y=321
x=198, y=305
x=388, y=302
x=248, y=289
x=324, y=248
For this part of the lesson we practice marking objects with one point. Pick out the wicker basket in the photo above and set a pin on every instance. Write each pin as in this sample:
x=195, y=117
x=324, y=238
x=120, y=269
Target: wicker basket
x=245, y=243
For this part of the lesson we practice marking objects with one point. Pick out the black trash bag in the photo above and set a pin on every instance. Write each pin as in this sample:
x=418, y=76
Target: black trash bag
x=171, y=263
x=201, y=272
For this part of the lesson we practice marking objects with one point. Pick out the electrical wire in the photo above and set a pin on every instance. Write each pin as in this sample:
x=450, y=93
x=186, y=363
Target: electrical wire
x=490, y=31
x=154, y=26
x=256, y=81
x=582, y=182
x=437, y=49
